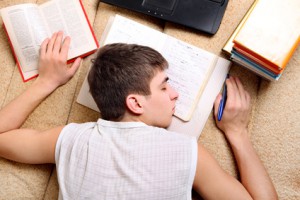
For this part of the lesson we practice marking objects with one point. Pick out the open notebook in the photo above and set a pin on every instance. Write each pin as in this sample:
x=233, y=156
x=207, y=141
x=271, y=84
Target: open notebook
x=196, y=74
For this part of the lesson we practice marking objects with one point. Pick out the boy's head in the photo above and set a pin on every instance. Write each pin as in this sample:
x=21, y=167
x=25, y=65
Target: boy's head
x=120, y=77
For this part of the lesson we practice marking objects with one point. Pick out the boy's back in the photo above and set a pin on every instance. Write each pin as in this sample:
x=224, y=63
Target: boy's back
x=124, y=160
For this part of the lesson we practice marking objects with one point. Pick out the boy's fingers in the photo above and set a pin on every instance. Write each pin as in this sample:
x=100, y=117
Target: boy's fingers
x=75, y=66
x=51, y=43
x=240, y=87
x=44, y=47
x=244, y=96
x=65, y=47
x=57, y=42
x=248, y=99
x=231, y=87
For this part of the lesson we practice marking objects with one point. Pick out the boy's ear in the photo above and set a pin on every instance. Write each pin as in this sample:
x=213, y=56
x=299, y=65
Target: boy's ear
x=133, y=103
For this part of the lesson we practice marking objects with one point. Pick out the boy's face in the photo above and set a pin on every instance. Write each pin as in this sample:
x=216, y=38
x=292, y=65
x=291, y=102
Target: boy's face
x=160, y=105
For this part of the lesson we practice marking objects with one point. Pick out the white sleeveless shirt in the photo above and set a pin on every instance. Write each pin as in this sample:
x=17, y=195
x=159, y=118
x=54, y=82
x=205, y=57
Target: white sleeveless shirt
x=124, y=160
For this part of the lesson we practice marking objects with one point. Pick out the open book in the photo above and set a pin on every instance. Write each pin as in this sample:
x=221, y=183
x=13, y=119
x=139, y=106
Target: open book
x=27, y=25
x=190, y=69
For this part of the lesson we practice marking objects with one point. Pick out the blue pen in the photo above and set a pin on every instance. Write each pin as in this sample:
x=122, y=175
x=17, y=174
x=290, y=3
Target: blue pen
x=223, y=101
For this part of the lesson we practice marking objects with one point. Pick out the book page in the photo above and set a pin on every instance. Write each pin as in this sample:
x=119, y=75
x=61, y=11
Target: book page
x=68, y=16
x=26, y=30
x=127, y=31
x=189, y=70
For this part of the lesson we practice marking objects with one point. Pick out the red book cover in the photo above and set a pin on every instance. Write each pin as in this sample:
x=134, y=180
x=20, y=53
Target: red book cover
x=262, y=62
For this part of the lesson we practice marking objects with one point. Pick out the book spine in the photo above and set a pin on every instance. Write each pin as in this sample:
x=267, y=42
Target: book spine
x=260, y=57
x=258, y=61
x=259, y=71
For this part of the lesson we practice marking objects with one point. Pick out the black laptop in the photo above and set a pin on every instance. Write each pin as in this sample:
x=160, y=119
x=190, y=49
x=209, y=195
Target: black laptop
x=203, y=15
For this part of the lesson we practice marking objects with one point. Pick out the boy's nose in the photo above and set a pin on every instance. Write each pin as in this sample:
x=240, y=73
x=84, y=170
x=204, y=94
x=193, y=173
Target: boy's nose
x=174, y=94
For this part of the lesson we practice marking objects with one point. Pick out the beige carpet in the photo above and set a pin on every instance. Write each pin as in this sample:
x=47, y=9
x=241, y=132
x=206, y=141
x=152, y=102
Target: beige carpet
x=274, y=127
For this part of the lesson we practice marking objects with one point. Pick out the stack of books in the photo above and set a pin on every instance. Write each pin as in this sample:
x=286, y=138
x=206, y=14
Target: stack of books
x=267, y=37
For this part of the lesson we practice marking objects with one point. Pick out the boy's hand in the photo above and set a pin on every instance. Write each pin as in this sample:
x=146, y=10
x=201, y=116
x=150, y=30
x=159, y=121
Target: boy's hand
x=235, y=117
x=53, y=68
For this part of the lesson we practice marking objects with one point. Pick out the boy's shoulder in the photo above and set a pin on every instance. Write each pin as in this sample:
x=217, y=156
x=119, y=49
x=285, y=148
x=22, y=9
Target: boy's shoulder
x=170, y=134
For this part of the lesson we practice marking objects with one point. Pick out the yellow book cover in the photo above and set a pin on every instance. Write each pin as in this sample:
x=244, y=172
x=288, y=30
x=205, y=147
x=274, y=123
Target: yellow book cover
x=272, y=31
x=229, y=43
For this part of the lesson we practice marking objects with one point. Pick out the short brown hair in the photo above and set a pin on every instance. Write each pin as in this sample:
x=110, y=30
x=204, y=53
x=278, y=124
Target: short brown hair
x=119, y=70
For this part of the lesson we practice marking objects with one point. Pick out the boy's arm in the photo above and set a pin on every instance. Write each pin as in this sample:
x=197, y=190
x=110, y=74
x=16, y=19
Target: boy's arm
x=21, y=144
x=211, y=181
x=29, y=146
x=254, y=176
x=53, y=72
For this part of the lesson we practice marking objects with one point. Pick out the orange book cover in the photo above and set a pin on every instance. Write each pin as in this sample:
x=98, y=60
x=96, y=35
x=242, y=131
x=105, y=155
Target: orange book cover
x=271, y=32
x=260, y=61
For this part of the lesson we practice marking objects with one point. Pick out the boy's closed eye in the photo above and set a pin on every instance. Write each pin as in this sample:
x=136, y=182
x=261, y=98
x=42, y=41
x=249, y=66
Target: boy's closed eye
x=164, y=88
x=165, y=83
